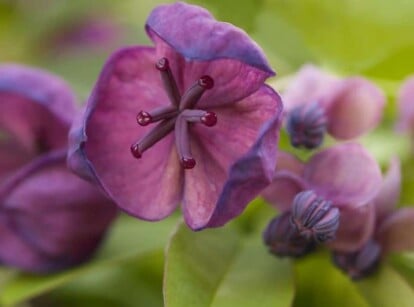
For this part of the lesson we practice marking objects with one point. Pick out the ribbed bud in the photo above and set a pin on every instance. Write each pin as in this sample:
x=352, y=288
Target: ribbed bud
x=361, y=263
x=283, y=239
x=306, y=125
x=315, y=217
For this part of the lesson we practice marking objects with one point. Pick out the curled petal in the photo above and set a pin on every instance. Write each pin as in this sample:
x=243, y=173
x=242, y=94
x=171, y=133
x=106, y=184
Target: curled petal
x=36, y=107
x=310, y=85
x=282, y=190
x=44, y=212
x=194, y=26
x=346, y=174
x=128, y=84
x=387, y=198
x=355, y=108
x=405, y=105
x=356, y=227
x=235, y=159
x=396, y=232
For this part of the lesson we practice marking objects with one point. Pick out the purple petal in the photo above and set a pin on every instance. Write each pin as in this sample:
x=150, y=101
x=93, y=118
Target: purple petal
x=286, y=183
x=310, y=84
x=194, y=33
x=235, y=159
x=12, y=156
x=346, y=174
x=44, y=213
x=356, y=226
x=356, y=108
x=396, y=231
x=386, y=200
x=405, y=105
x=128, y=84
x=36, y=107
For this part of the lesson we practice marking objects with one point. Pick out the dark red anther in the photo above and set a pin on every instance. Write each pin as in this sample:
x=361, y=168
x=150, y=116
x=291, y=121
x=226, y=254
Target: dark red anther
x=144, y=118
x=162, y=64
x=135, y=151
x=209, y=119
x=206, y=82
x=188, y=163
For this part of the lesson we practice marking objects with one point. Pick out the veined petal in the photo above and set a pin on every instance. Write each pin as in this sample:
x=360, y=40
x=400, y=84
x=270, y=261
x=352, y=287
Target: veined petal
x=356, y=226
x=235, y=159
x=194, y=26
x=309, y=85
x=128, y=84
x=396, y=232
x=386, y=200
x=36, y=107
x=355, y=108
x=405, y=105
x=346, y=174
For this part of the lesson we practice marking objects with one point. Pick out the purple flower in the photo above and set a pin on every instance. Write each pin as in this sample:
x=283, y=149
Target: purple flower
x=328, y=196
x=406, y=106
x=49, y=218
x=207, y=125
x=317, y=102
x=392, y=231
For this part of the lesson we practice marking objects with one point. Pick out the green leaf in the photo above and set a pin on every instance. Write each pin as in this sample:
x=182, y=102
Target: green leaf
x=221, y=267
x=319, y=283
x=387, y=288
x=129, y=238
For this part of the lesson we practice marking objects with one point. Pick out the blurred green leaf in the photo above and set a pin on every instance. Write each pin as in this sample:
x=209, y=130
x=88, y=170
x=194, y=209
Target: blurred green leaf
x=221, y=267
x=349, y=35
x=404, y=264
x=319, y=283
x=387, y=288
x=129, y=239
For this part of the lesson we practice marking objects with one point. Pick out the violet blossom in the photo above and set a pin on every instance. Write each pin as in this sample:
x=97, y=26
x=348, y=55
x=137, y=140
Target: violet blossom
x=49, y=218
x=392, y=232
x=327, y=197
x=189, y=120
x=405, y=101
x=317, y=102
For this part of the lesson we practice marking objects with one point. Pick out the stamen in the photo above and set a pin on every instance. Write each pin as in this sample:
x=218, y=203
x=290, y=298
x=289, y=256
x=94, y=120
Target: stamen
x=194, y=93
x=152, y=137
x=183, y=142
x=144, y=118
x=200, y=116
x=168, y=80
x=209, y=119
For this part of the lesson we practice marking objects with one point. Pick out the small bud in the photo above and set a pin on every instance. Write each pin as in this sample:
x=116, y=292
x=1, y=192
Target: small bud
x=315, y=217
x=283, y=239
x=361, y=263
x=306, y=125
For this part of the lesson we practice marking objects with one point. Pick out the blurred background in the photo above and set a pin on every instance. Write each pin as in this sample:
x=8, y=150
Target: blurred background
x=73, y=39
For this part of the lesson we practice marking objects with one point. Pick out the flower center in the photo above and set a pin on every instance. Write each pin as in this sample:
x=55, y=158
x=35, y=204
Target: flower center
x=306, y=125
x=177, y=116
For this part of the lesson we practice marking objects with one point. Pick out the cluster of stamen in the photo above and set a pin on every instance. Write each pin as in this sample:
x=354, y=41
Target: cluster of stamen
x=177, y=116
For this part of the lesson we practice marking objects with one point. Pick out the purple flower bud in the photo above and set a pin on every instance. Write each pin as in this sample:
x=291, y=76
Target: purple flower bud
x=306, y=125
x=315, y=217
x=360, y=263
x=283, y=238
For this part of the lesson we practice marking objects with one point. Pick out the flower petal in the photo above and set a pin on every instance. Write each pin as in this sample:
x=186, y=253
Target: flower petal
x=194, y=33
x=235, y=159
x=128, y=84
x=12, y=156
x=346, y=174
x=36, y=107
x=386, y=200
x=396, y=232
x=356, y=226
x=44, y=212
x=405, y=105
x=309, y=85
x=355, y=108
x=198, y=45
